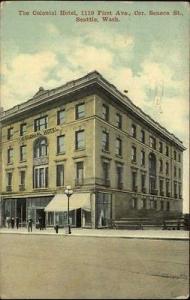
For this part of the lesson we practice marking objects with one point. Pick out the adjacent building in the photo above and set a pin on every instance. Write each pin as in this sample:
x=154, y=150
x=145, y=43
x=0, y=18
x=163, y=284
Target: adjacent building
x=88, y=135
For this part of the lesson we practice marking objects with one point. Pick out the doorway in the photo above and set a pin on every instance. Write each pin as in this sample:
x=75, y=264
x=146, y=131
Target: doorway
x=40, y=214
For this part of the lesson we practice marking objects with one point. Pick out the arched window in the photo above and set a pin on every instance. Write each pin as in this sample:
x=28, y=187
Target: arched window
x=40, y=147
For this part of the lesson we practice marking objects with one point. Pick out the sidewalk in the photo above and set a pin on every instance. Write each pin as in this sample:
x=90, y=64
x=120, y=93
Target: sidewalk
x=106, y=233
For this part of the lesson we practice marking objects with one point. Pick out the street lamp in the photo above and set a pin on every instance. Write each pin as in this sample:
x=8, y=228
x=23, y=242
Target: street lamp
x=68, y=192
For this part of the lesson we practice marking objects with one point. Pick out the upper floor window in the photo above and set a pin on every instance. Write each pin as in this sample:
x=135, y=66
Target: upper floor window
x=22, y=129
x=133, y=131
x=167, y=151
x=80, y=110
x=142, y=158
x=9, y=178
x=167, y=168
x=23, y=153
x=79, y=140
x=179, y=157
x=133, y=154
x=152, y=142
x=179, y=173
x=160, y=147
x=175, y=155
x=175, y=171
x=22, y=177
x=119, y=146
x=60, y=117
x=105, y=112
x=40, y=147
x=118, y=121
x=60, y=175
x=10, y=155
x=79, y=172
x=60, y=144
x=41, y=123
x=105, y=141
x=106, y=173
x=40, y=177
x=142, y=136
x=10, y=133
x=119, y=171
x=161, y=165
x=143, y=180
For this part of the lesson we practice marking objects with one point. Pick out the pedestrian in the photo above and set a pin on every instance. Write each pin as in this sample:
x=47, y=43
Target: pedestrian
x=40, y=223
x=17, y=222
x=8, y=219
x=12, y=222
x=30, y=221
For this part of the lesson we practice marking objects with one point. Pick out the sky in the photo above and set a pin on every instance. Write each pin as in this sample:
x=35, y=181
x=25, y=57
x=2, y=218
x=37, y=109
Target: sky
x=144, y=54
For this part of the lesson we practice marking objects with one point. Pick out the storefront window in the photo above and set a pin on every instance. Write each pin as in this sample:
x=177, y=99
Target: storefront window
x=103, y=209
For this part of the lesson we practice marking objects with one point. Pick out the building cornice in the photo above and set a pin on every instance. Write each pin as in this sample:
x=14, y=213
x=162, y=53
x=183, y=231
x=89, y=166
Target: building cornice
x=73, y=87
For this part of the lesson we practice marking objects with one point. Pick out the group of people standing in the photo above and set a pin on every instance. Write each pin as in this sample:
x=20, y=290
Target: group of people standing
x=11, y=223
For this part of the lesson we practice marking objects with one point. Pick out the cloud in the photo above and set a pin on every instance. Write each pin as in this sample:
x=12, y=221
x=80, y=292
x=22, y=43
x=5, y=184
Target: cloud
x=24, y=74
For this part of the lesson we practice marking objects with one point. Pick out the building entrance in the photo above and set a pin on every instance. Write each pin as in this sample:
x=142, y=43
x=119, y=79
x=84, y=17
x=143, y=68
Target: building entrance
x=40, y=217
x=21, y=211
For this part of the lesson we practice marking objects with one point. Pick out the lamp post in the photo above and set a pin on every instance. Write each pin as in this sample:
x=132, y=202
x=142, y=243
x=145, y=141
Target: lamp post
x=68, y=192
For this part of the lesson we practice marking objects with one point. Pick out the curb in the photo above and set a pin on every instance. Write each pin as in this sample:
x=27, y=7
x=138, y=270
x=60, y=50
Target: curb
x=100, y=236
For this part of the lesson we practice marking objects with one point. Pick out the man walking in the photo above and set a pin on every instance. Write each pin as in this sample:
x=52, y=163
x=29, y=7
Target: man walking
x=30, y=221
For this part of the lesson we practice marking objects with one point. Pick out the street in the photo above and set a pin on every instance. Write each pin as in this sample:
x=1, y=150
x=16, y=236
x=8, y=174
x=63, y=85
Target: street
x=52, y=267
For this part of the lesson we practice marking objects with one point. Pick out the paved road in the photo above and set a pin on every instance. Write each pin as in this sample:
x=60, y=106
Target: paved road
x=56, y=266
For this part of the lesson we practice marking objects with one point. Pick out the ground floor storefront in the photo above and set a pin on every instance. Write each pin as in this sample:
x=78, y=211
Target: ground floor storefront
x=87, y=209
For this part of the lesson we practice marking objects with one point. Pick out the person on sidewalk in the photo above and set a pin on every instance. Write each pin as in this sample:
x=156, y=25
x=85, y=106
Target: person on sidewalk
x=30, y=221
x=17, y=222
x=12, y=223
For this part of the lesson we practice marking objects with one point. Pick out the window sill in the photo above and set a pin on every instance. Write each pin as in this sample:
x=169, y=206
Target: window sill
x=23, y=161
x=119, y=156
x=10, y=163
x=106, y=151
x=82, y=149
x=61, y=153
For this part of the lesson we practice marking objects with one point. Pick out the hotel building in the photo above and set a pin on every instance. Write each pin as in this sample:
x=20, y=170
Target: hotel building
x=86, y=134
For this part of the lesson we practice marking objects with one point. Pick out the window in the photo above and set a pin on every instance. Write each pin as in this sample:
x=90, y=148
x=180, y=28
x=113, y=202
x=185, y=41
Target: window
x=10, y=133
x=179, y=171
x=105, y=112
x=179, y=157
x=22, y=153
x=167, y=151
x=106, y=173
x=142, y=136
x=10, y=156
x=133, y=131
x=175, y=172
x=143, y=178
x=119, y=146
x=41, y=123
x=22, y=129
x=118, y=121
x=79, y=140
x=179, y=189
x=40, y=147
x=60, y=175
x=142, y=158
x=105, y=141
x=161, y=166
x=175, y=189
x=134, y=177
x=40, y=177
x=161, y=187
x=143, y=203
x=167, y=168
x=9, y=178
x=167, y=188
x=134, y=203
x=152, y=142
x=160, y=147
x=119, y=177
x=79, y=172
x=133, y=154
x=168, y=206
x=161, y=205
x=175, y=155
x=22, y=177
x=80, y=111
x=60, y=117
x=60, y=144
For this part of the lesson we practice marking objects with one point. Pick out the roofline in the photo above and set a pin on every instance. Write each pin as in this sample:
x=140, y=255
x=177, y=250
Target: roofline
x=71, y=86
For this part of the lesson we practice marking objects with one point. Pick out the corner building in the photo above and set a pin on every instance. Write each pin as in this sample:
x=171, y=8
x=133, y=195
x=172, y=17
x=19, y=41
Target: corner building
x=88, y=135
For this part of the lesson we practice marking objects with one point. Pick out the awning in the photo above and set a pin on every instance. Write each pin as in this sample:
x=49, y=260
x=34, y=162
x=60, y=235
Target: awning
x=60, y=201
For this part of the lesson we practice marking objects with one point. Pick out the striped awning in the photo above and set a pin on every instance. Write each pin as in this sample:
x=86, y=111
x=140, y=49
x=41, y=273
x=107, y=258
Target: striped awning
x=60, y=202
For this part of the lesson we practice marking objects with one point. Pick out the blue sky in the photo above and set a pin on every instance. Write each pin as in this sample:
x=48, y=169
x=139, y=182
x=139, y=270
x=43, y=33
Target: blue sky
x=147, y=55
